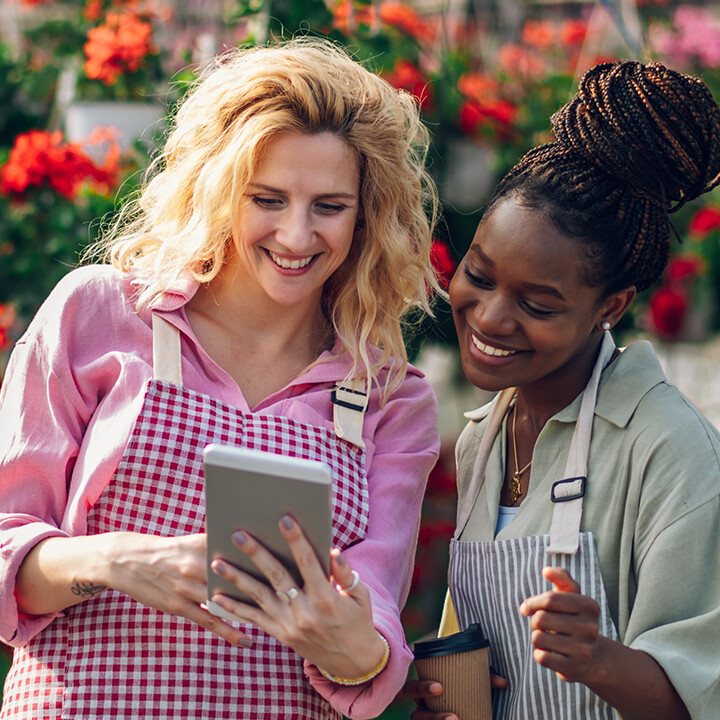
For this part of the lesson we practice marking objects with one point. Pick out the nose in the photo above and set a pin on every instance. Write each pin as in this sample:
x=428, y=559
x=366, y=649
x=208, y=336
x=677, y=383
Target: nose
x=493, y=314
x=295, y=231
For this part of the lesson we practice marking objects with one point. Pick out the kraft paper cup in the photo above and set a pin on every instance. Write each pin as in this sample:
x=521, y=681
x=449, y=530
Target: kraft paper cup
x=460, y=663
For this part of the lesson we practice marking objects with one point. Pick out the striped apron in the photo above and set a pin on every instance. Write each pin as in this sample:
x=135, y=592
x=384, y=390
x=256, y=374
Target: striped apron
x=489, y=580
x=112, y=657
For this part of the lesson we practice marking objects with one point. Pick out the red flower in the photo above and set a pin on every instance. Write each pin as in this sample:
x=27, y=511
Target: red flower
x=7, y=318
x=684, y=267
x=474, y=115
x=704, y=221
x=117, y=47
x=667, y=312
x=443, y=262
x=39, y=158
x=406, y=76
x=572, y=32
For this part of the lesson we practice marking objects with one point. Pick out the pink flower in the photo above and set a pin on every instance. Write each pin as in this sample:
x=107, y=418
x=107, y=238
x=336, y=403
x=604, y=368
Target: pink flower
x=694, y=38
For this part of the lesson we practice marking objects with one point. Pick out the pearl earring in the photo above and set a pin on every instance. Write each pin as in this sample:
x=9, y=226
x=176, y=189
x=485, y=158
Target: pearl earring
x=605, y=325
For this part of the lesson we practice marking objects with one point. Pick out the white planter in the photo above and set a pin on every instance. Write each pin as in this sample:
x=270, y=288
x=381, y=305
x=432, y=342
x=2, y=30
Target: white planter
x=134, y=120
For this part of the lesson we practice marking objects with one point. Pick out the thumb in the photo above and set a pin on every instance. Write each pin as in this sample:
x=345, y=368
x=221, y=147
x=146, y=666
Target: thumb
x=561, y=579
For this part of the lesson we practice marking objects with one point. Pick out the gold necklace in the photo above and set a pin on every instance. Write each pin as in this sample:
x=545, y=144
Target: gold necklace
x=514, y=484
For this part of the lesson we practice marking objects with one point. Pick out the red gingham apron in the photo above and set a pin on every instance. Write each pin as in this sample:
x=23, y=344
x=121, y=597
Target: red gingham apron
x=112, y=657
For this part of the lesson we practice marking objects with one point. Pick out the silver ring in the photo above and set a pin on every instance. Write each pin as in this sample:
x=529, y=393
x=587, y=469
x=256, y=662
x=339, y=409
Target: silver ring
x=287, y=595
x=353, y=584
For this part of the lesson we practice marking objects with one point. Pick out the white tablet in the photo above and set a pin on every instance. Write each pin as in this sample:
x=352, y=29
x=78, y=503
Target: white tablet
x=251, y=490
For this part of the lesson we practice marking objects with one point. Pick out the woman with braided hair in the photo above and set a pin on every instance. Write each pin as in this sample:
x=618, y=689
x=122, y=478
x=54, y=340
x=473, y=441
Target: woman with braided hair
x=589, y=488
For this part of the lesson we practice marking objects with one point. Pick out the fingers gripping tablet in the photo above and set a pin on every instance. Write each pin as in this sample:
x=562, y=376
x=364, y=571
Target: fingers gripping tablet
x=251, y=490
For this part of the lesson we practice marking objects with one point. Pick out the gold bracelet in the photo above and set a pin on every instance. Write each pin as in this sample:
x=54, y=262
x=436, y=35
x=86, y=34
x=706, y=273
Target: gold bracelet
x=363, y=678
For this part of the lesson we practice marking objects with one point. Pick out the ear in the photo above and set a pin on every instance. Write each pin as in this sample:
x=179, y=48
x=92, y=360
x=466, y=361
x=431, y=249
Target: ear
x=614, y=307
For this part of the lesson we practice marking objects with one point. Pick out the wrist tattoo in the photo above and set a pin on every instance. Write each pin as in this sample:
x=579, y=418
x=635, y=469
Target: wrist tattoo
x=87, y=590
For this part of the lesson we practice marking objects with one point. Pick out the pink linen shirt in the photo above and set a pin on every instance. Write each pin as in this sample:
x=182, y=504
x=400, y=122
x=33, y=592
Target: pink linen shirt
x=73, y=389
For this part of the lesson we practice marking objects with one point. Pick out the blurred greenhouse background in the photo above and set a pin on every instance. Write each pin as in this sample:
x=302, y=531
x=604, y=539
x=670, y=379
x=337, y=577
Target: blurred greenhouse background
x=86, y=86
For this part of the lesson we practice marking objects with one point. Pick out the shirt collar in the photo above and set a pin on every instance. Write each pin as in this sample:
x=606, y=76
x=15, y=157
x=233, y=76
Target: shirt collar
x=335, y=362
x=634, y=372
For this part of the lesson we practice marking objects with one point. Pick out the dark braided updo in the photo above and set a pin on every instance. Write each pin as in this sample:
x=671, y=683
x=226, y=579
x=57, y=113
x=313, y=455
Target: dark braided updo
x=636, y=143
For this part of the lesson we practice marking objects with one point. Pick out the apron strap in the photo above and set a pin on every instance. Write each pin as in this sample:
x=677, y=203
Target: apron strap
x=350, y=401
x=567, y=494
x=167, y=362
x=499, y=409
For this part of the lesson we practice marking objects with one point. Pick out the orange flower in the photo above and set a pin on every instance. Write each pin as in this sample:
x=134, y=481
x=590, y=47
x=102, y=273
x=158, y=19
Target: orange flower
x=7, y=318
x=346, y=16
x=117, y=47
x=478, y=87
x=93, y=10
x=39, y=158
x=406, y=19
x=538, y=33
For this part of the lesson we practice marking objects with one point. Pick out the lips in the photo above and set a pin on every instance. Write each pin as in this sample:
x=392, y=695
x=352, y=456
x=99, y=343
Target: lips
x=290, y=263
x=490, y=349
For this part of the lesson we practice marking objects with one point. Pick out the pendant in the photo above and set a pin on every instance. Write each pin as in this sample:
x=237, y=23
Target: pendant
x=514, y=488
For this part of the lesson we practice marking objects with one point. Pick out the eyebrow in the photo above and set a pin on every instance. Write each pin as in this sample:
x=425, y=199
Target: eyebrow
x=269, y=188
x=534, y=287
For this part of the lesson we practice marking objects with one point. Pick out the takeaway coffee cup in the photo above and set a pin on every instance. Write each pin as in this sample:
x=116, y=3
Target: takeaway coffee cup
x=460, y=663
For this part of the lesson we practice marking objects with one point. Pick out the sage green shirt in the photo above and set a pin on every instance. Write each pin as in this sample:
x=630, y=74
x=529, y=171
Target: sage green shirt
x=653, y=504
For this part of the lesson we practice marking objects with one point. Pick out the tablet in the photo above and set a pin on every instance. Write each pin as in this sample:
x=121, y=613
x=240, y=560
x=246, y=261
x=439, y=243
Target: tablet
x=251, y=490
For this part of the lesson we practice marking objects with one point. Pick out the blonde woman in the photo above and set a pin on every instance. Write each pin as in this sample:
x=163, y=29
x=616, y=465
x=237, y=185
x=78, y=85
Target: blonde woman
x=282, y=237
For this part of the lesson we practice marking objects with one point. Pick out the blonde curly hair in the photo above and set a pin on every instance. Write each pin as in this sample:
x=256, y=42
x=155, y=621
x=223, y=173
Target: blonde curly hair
x=182, y=219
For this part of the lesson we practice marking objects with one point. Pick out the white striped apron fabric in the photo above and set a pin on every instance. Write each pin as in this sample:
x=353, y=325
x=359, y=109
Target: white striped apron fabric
x=489, y=580
x=112, y=657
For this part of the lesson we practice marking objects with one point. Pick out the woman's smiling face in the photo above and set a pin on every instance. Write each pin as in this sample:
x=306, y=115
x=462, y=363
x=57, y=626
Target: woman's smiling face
x=522, y=314
x=297, y=218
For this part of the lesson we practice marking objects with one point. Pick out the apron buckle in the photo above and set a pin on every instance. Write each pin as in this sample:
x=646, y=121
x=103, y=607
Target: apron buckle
x=347, y=394
x=568, y=489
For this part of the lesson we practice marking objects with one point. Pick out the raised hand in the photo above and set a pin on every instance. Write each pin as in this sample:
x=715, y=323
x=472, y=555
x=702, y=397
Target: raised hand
x=565, y=631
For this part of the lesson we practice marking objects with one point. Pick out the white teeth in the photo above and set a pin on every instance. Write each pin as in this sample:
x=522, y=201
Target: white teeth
x=490, y=350
x=290, y=264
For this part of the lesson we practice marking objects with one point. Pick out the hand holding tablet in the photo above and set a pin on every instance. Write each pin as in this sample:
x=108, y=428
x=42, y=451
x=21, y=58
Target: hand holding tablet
x=251, y=490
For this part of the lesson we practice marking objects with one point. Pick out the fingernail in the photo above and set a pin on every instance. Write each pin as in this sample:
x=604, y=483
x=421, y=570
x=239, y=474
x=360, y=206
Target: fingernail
x=435, y=688
x=522, y=608
x=340, y=560
x=288, y=522
x=219, y=568
x=239, y=537
x=245, y=642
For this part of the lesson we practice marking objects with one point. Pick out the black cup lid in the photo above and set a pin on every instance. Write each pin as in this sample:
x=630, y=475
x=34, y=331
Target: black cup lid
x=470, y=639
